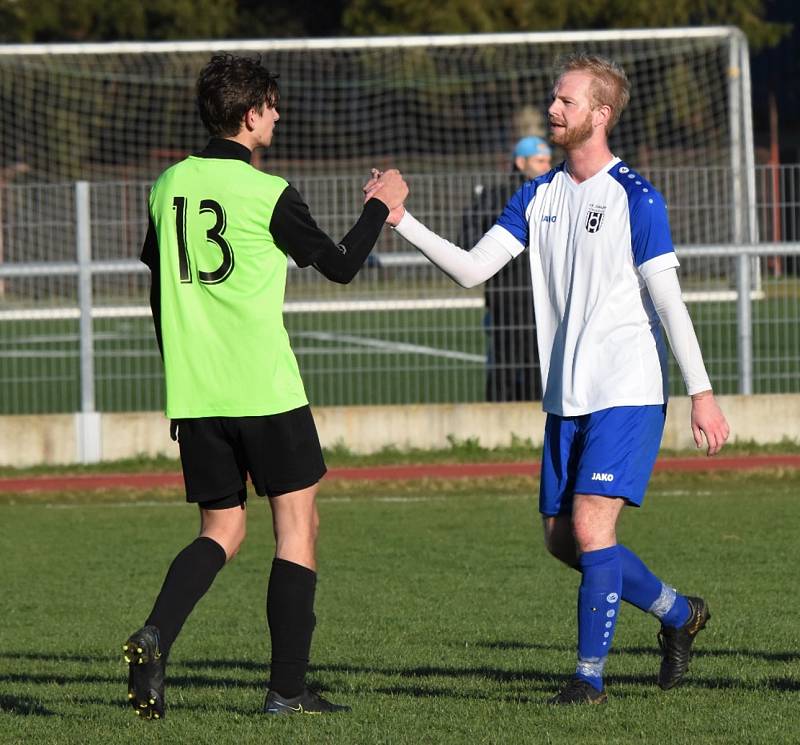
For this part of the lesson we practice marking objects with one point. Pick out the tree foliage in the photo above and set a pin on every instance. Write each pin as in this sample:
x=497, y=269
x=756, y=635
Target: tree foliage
x=101, y=20
x=288, y=18
x=120, y=20
x=465, y=16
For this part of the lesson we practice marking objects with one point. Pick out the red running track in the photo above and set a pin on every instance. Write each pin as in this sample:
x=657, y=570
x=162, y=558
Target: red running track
x=388, y=473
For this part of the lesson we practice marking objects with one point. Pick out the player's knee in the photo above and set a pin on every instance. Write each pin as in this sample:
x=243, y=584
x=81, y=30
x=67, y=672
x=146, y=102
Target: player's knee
x=562, y=550
x=306, y=527
x=557, y=549
x=233, y=541
x=558, y=539
x=298, y=533
x=306, y=534
x=583, y=532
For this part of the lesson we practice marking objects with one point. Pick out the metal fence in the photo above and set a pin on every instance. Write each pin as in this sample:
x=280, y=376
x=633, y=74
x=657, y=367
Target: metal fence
x=76, y=334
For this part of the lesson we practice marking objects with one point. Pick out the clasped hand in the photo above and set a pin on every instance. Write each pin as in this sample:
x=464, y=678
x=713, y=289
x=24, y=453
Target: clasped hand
x=390, y=188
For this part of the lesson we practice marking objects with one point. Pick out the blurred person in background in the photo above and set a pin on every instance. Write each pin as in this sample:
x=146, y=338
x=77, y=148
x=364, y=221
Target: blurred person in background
x=512, y=356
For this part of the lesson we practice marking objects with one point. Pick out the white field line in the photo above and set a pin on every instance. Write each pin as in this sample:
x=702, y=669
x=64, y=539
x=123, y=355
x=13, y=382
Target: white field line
x=393, y=346
x=290, y=306
x=139, y=354
x=360, y=346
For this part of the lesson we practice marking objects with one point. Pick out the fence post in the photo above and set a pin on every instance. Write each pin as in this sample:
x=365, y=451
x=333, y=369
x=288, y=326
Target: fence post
x=743, y=201
x=744, y=323
x=87, y=420
x=755, y=280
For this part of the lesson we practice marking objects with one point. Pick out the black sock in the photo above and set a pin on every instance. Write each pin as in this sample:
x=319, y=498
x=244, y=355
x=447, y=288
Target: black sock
x=290, y=615
x=189, y=576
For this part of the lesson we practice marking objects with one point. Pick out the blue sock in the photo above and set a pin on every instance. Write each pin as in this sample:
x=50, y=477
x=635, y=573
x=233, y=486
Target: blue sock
x=640, y=587
x=598, y=606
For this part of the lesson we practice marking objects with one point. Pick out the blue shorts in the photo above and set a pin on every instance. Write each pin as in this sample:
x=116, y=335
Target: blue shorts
x=609, y=452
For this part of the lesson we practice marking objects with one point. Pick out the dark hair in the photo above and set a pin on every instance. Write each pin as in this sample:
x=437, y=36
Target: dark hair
x=228, y=87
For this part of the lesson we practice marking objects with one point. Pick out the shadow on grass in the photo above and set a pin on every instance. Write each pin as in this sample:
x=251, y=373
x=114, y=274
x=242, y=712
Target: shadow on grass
x=539, y=696
x=243, y=664
x=179, y=681
x=622, y=650
x=23, y=706
x=57, y=657
x=420, y=681
x=784, y=684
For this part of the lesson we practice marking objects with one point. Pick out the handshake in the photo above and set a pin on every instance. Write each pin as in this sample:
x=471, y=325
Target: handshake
x=390, y=188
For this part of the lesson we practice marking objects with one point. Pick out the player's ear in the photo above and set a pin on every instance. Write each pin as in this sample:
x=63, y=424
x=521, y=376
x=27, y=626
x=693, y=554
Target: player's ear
x=601, y=116
x=250, y=119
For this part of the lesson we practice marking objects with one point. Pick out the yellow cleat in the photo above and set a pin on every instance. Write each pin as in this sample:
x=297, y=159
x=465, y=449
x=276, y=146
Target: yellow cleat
x=127, y=659
x=155, y=716
x=138, y=713
x=130, y=696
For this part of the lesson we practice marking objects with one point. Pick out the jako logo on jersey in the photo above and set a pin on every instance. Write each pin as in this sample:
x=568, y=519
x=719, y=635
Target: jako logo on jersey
x=602, y=476
x=549, y=218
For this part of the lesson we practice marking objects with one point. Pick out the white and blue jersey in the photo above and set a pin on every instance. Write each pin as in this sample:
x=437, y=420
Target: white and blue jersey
x=592, y=245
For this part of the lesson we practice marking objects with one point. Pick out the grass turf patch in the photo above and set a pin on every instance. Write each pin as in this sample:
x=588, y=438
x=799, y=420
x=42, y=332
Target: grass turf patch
x=440, y=619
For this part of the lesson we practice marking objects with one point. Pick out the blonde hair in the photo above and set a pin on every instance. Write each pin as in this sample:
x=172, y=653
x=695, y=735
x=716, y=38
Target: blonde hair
x=609, y=87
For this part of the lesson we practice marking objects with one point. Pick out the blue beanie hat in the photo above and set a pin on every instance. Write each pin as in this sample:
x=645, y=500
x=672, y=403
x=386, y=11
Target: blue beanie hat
x=531, y=145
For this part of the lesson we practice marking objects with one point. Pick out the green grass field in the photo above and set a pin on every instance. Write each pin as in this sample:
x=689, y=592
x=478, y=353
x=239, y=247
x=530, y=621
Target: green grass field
x=39, y=366
x=440, y=619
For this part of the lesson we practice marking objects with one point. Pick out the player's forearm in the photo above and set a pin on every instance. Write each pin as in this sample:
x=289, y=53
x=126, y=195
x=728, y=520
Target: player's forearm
x=665, y=292
x=467, y=268
x=343, y=264
x=297, y=233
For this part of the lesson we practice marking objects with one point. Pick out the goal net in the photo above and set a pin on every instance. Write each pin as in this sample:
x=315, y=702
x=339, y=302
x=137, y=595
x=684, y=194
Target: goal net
x=123, y=111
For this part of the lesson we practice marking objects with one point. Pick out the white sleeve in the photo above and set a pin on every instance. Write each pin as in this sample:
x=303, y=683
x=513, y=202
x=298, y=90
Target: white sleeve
x=665, y=292
x=468, y=268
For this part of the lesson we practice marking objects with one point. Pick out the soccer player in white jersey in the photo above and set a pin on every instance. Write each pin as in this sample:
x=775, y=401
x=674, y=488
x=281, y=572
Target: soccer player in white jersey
x=604, y=281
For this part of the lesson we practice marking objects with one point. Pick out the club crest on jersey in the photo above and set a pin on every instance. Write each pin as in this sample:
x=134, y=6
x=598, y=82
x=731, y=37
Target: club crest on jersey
x=594, y=218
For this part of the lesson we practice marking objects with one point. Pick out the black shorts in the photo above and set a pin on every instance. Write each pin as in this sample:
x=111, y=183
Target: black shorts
x=280, y=452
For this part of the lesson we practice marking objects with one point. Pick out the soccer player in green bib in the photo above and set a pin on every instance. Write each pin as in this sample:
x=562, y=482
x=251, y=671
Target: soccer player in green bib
x=217, y=246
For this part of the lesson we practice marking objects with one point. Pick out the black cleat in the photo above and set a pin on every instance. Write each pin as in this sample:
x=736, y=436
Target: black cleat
x=579, y=691
x=307, y=702
x=145, y=673
x=676, y=644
